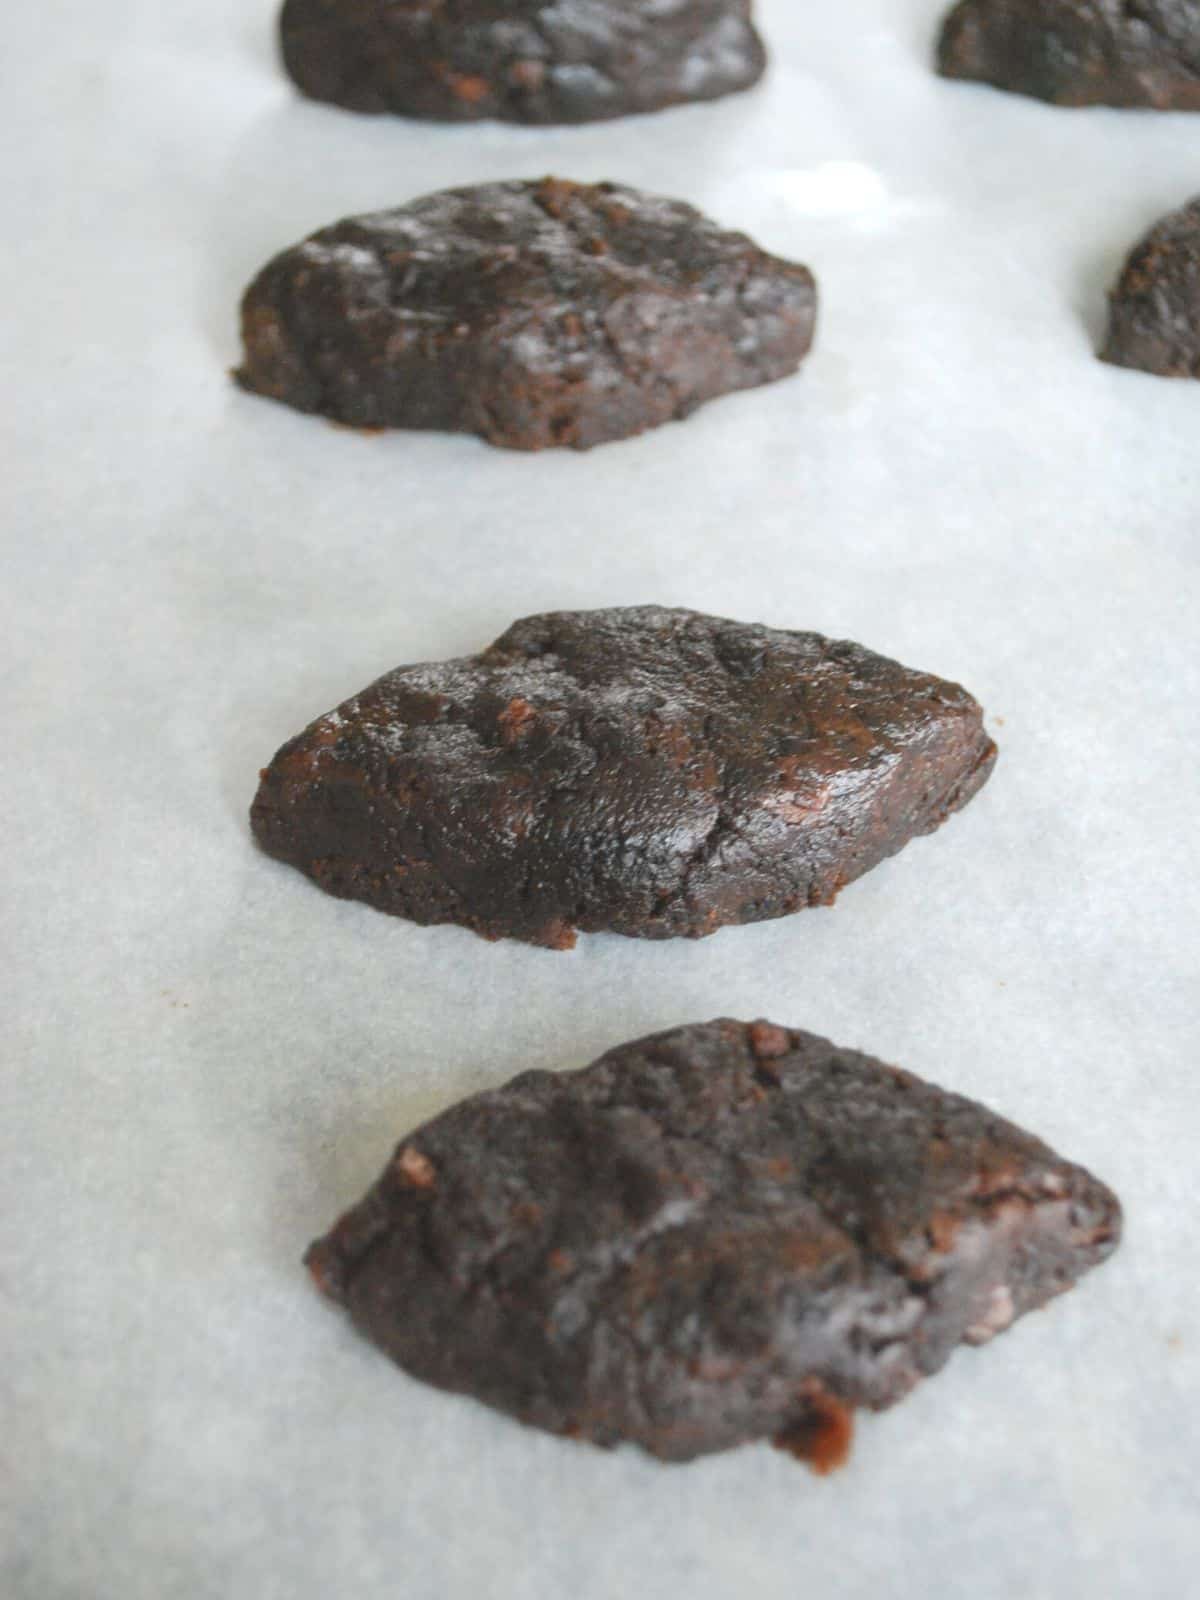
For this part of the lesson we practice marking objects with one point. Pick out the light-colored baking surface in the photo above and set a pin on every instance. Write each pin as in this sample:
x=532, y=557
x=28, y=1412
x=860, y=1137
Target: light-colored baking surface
x=206, y=1058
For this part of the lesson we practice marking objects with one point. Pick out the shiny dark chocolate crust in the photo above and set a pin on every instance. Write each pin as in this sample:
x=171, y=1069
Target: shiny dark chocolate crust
x=519, y=60
x=722, y=1233
x=1079, y=52
x=645, y=771
x=1154, y=310
x=532, y=314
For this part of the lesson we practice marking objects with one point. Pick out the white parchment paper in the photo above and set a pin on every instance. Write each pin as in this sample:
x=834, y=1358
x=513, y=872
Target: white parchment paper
x=206, y=1059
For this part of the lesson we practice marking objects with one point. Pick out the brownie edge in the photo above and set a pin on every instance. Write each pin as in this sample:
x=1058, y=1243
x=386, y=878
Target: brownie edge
x=1138, y=54
x=644, y=770
x=1154, y=307
x=722, y=1233
x=530, y=61
x=535, y=315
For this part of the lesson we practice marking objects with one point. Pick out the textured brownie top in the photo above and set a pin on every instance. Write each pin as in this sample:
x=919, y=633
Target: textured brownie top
x=1080, y=52
x=533, y=314
x=521, y=60
x=643, y=770
x=721, y=1233
x=1154, y=310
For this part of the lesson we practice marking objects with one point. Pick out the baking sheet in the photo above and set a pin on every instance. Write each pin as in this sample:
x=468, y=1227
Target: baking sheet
x=207, y=1059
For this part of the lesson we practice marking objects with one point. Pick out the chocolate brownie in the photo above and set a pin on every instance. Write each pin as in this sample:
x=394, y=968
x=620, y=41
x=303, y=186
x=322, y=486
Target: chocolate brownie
x=1079, y=52
x=520, y=60
x=1154, y=310
x=533, y=314
x=646, y=771
x=722, y=1233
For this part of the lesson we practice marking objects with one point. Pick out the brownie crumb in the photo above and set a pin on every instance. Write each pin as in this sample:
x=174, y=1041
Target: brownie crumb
x=822, y=1433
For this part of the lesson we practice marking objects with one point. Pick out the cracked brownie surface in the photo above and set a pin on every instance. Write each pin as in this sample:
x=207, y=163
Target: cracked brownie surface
x=721, y=1233
x=539, y=61
x=532, y=314
x=1134, y=53
x=642, y=770
x=1154, y=310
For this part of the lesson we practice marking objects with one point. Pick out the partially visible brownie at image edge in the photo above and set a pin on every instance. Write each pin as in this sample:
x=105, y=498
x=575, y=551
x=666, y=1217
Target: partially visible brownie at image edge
x=533, y=61
x=533, y=314
x=643, y=770
x=1132, y=53
x=722, y=1233
x=1154, y=308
